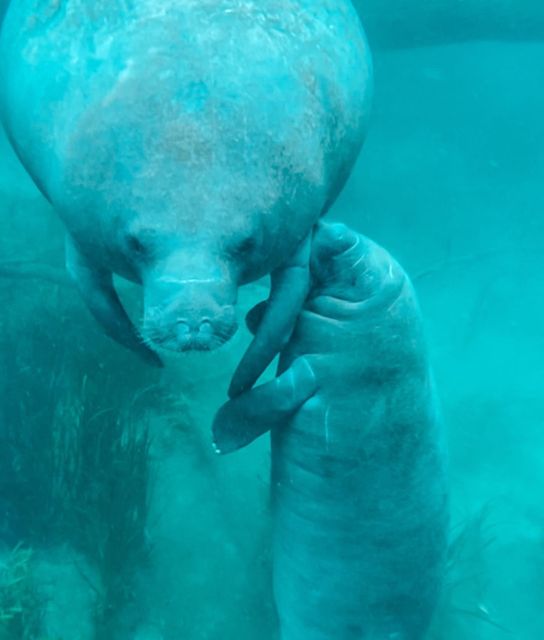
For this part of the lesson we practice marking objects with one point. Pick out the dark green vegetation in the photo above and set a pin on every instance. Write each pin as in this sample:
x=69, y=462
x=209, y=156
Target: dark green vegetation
x=75, y=448
x=75, y=466
x=21, y=603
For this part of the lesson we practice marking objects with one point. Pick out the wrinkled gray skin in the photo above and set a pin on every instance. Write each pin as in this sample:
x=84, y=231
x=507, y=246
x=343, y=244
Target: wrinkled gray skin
x=358, y=480
x=190, y=146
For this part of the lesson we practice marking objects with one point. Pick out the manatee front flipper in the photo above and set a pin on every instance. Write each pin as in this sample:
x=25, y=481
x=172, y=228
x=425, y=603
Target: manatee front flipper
x=98, y=292
x=241, y=420
x=289, y=288
x=254, y=316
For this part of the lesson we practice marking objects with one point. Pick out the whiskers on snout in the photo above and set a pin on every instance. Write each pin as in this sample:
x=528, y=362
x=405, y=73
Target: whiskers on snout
x=180, y=335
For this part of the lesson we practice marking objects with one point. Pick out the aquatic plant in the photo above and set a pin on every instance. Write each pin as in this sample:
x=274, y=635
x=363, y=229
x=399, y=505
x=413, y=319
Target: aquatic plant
x=21, y=604
x=464, y=596
x=104, y=475
x=74, y=454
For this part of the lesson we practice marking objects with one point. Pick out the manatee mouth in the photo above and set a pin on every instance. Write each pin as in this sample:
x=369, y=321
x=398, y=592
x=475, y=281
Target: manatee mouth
x=182, y=335
x=189, y=314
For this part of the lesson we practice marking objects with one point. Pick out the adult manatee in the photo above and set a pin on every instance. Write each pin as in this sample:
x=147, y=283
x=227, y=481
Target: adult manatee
x=190, y=146
x=358, y=475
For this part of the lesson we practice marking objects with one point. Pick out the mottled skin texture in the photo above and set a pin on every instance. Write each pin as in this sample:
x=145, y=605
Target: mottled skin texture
x=394, y=24
x=189, y=145
x=358, y=480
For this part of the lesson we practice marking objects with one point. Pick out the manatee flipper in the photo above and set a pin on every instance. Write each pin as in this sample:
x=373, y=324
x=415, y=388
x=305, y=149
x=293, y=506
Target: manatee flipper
x=254, y=316
x=288, y=291
x=242, y=420
x=97, y=289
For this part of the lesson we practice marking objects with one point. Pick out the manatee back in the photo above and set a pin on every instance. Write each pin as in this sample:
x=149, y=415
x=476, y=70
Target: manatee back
x=269, y=99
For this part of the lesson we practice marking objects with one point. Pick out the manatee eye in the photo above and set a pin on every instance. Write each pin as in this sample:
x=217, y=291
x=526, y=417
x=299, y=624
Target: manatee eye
x=136, y=247
x=246, y=246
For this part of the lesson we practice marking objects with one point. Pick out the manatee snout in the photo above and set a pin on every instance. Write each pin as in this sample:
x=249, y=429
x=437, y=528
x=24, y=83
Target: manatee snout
x=189, y=314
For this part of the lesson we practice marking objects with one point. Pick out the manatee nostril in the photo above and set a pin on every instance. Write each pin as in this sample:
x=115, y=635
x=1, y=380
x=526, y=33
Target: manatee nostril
x=193, y=331
x=183, y=330
x=185, y=327
x=206, y=328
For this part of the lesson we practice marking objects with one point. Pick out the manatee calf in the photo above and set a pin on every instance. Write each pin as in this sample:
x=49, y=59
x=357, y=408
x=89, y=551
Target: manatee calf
x=358, y=480
x=190, y=146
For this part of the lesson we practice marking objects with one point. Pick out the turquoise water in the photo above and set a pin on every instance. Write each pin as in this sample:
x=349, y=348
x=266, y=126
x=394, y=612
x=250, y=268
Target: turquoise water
x=117, y=520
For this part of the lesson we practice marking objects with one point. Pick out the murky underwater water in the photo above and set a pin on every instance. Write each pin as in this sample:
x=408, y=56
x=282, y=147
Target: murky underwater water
x=116, y=518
